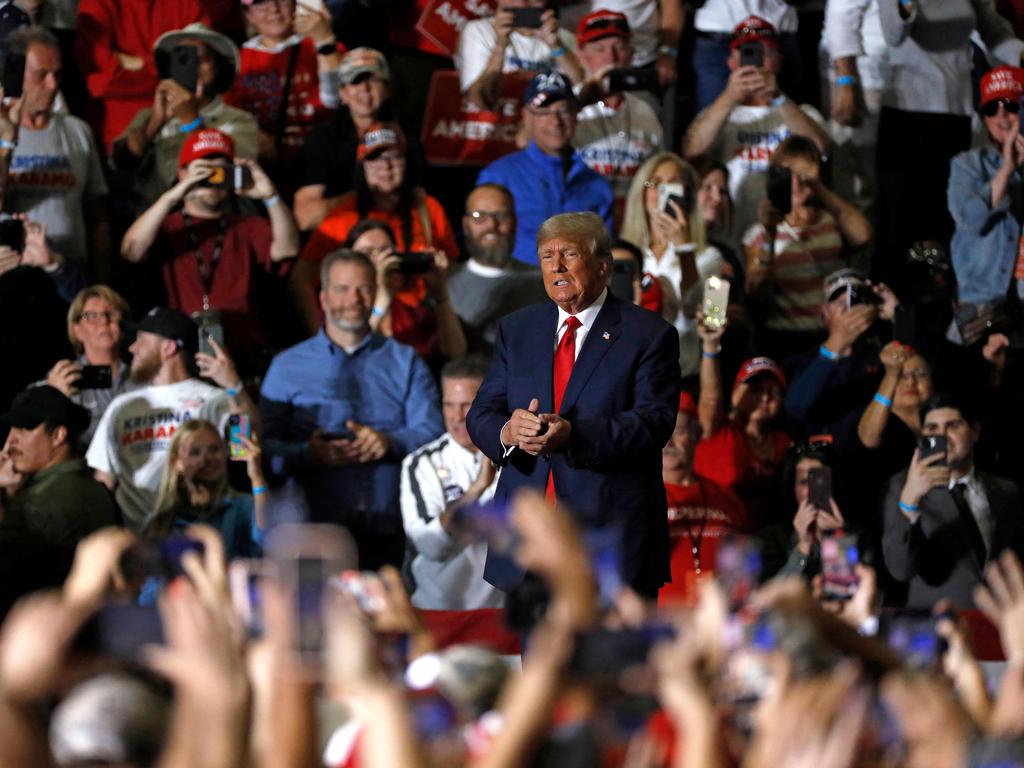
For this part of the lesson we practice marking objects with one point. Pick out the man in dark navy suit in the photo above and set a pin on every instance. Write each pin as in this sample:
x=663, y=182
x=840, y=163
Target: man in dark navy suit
x=581, y=398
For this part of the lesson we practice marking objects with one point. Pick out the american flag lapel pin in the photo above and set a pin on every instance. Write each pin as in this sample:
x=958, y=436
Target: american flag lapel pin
x=606, y=335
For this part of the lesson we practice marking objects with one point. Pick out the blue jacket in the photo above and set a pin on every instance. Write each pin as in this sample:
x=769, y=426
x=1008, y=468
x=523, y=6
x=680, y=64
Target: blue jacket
x=984, y=248
x=621, y=400
x=316, y=384
x=541, y=190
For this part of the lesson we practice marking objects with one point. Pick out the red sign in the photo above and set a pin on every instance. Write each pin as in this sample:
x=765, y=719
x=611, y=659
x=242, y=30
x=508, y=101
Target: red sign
x=456, y=132
x=442, y=20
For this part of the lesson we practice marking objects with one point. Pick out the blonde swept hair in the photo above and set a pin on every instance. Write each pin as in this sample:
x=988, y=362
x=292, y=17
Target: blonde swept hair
x=98, y=291
x=583, y=227
x=173, y=495
x=635, y=226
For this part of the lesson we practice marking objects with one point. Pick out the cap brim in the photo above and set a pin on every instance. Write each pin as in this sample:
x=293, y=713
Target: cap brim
x=23, y=419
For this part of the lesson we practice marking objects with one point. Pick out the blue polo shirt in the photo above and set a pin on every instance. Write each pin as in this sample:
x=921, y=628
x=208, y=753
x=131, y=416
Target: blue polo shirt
x=541, y=190
x=318, y=385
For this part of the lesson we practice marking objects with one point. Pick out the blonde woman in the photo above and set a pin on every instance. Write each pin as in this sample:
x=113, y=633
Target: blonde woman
x=674, y=245
x=194, y=489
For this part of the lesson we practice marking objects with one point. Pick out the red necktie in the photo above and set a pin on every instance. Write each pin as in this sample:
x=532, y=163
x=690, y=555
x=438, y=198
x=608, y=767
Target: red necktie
x=565, y=356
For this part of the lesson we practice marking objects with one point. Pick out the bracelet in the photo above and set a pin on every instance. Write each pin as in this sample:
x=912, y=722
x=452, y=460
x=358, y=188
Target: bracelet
x=7, y=144
x=711, y=355
x=668, y=50
x=909, y=507
x=233, y=391
x=558, y=52
x=326, y=49
x=779, y=100
x=845, y=80
x=882, y=400
x=273, y=200
x=378, y=312
x=827, y=353
x=258, y=489
x=191, y=126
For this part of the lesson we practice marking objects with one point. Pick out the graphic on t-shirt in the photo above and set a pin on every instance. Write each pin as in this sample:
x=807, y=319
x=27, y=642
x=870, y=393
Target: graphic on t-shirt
x=39, y=175
x=141, y=435
x=757, y=147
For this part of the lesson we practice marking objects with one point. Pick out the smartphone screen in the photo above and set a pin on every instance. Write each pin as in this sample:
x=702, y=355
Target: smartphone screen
x=912, y=634
x=14, y=75
x=416, y=262
x=716, y=301
x=622, y=279
x=12, y=234
x=184, y=67
x=633, y=79
x=839, y=557
x=674, y=192
x=752, y=54
x=526, y=18
x=122, y=631
x=172, y=549
x=242, y=177
x=238, y=427
x=819, y=487
x=780, y=188
x=96, y=377
x=738, y=569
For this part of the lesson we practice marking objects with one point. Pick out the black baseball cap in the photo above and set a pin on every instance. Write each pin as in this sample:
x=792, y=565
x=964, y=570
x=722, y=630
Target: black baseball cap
x=172, y=324
x=46, y=404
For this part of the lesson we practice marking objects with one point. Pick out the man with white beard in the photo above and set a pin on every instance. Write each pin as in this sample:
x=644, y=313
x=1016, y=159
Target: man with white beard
x=342, y=409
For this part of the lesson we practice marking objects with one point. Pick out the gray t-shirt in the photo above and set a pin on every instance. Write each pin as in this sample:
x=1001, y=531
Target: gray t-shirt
x=52, y=171
x=481, y=295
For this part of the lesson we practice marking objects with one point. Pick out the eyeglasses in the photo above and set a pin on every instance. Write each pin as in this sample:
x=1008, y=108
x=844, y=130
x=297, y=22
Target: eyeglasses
x=498, y=217
x=653, y=183
x=96, y=317
x=991, y=109
x=917, y=375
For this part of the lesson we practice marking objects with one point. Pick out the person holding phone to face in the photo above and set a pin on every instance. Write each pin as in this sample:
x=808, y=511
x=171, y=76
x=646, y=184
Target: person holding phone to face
x=208, y=250
x=748, y=120
x=945, y=518
x=522, y=36
x=197, y=67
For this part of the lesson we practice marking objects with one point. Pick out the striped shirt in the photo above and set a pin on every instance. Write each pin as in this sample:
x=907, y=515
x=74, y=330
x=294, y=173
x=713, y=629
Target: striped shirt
x=804, y=256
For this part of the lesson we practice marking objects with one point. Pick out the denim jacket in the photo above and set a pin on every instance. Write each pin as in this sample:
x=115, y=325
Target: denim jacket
x=984, y=248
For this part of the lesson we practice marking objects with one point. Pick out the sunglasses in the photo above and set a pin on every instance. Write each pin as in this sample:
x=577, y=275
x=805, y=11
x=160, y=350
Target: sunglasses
x=991, y=109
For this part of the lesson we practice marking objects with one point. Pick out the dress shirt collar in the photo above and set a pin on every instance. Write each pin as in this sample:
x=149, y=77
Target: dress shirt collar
x=331, y=346
x=970, y=480
x=483, y=270
x=585, y=316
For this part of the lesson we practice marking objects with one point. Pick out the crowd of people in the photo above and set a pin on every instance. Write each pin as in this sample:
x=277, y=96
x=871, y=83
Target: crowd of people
x=684, y=433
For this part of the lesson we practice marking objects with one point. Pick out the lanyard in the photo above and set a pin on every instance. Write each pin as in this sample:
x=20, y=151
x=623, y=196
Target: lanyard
x=206, y=272
x=696, y=541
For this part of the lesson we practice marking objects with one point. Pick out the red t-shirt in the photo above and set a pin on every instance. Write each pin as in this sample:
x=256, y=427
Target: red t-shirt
x=260, y=85
x=728, y=458
x=698, y=515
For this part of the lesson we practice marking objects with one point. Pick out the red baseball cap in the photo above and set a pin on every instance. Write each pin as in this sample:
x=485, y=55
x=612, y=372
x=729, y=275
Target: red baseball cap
x=600, y=24
x=755, y=366
x=205, y=142
x=687, y=404
x=1002, y=82
x=378, y=138
x=754, y=28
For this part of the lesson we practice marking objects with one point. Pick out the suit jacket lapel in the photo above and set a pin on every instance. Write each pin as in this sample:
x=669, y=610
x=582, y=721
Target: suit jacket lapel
x=1003, y=518
x=599, y=340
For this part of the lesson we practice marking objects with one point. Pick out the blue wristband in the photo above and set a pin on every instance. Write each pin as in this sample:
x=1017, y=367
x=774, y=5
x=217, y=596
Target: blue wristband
x=710, y=355
x=271, y=201
x=778, y=101
x=5, y=144
x=827, y=353
x=232, y=391
x=909, y=507
x=882, y=400
x=187, y=127
x=845, y=80
x=558, y=52
x=258, y=489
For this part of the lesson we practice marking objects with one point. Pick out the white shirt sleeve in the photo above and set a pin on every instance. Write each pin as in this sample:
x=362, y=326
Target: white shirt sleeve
x=100, y=456
x=216, y=409
x=476, y=43
x=844, y=19
x=421, y=497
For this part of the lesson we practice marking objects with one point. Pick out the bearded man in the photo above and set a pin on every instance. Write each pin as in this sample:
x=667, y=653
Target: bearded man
x=342, y=409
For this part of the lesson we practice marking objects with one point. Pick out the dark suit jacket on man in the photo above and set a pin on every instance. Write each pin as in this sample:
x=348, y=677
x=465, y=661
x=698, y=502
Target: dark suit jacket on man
x=933, y=556
x=621, y=401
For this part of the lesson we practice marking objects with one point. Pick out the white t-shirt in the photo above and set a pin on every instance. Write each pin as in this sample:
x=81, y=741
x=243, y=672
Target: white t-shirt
x=525, y=53
x=52, y=171
x=134, y=436
x=722, y=16
x=448, y=576
x=614, y=142
x=746, y=145
x=853, y=28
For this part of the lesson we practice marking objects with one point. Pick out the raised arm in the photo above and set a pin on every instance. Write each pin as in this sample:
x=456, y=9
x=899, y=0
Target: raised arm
x=142, y=233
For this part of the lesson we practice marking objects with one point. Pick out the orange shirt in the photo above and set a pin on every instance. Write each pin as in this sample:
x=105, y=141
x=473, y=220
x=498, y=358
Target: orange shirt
x=336, y=225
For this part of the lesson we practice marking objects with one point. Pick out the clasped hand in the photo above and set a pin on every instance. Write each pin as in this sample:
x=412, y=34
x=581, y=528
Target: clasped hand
x=536, y=433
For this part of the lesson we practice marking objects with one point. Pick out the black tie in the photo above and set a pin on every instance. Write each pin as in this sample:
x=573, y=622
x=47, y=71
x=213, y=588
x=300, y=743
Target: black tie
x=970, y=524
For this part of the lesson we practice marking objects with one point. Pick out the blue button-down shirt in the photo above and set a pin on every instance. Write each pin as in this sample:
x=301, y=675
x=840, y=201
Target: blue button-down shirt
x=541, y=190
x=318, y=385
